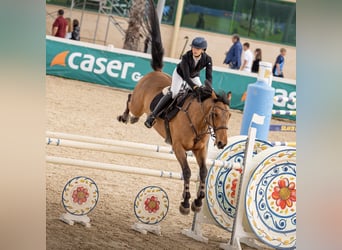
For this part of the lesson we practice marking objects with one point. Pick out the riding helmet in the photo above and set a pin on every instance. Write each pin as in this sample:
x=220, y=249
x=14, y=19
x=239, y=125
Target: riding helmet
x=200, y=43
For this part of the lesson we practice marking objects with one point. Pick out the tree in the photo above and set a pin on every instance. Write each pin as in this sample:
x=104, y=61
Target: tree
x=135, y=30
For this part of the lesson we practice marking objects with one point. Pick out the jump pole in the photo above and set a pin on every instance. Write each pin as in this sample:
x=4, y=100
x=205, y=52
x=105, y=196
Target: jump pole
x=118, y=168
x=285, y=99
x=140, y=146
x=284, y=112
x=132, y=151
x=284, y=143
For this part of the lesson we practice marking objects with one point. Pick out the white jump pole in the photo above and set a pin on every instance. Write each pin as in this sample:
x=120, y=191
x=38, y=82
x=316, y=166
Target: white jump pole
x=118, y=168
x=134, y=152
x=108, y=148
x=142, y=146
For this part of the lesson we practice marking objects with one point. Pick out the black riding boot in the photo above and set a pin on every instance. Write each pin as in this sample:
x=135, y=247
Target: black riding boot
x=165, y=100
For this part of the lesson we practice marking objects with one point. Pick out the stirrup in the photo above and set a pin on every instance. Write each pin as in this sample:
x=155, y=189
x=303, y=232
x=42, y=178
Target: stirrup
x=150, y=121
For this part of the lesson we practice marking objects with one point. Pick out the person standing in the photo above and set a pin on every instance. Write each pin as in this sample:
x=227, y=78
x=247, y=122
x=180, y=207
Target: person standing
x=257, y=60
x=233, y=56
x=68, y=33
x=60, y=25
x=279, y=64
x=75, y=34
x=247, y=58
x=200, y=22
x=186, y=75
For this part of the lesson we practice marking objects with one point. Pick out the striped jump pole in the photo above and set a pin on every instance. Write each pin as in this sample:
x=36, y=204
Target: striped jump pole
x=281, y=143
x=118, y=168
x=125, y=149
x=285, y=99
x=283, y=127
x=284, y=112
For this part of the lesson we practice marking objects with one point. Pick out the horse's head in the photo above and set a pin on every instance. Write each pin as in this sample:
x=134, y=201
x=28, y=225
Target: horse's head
x=218, y=117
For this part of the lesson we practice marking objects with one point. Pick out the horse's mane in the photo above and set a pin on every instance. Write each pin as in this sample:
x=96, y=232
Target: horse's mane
x=222, y=97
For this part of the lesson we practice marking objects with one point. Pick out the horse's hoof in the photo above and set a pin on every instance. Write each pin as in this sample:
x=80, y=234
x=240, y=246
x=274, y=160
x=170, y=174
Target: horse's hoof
x=183, y=210
x=123, y=119
x=134, y=119
x=195, y=208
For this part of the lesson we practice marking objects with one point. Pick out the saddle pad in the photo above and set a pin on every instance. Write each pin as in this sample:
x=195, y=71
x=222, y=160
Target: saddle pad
x=171, y=110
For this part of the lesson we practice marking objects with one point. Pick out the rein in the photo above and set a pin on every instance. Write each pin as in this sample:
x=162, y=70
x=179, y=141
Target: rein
x=198, y=136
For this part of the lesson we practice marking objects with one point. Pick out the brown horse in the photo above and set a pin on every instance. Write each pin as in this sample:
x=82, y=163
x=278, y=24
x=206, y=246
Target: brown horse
x=189, y=128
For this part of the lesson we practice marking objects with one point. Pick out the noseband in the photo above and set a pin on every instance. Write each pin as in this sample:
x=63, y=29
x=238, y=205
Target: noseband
x=211, y=115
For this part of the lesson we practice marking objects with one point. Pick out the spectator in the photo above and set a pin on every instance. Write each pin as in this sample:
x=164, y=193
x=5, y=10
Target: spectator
x=68, y=33
x=233, y=56
x=229, y=96
x=200, y=21
x=60, y=25
x=257, y=59
x=247, y=58
x=279, y=64
x=75, y=34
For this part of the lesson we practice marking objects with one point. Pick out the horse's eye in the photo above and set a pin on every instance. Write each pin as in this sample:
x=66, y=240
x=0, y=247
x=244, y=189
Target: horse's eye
x=215, y=115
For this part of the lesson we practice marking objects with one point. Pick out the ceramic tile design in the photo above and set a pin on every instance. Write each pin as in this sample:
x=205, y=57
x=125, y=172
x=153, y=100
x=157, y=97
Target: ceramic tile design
x=151, y=205
x=222, y=183
x=271, y=199
x=80, y=195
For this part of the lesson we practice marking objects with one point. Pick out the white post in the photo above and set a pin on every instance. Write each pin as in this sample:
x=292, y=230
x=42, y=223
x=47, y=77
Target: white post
x=238, y=232
x=160, y=8
x=176, y=26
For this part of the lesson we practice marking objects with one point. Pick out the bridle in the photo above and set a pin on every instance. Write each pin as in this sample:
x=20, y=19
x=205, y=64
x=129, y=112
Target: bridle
x=211, y=116
x=209, y=122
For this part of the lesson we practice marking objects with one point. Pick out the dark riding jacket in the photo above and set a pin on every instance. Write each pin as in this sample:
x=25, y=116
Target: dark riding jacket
x=187, y=70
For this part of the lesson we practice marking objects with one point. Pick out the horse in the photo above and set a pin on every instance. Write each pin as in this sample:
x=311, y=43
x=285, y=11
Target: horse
x=190, y=128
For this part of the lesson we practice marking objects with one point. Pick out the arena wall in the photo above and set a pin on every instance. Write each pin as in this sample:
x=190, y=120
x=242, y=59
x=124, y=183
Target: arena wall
x=218, y=43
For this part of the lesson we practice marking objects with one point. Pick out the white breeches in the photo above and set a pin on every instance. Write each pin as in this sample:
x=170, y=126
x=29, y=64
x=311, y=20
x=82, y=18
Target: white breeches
x=178, y=83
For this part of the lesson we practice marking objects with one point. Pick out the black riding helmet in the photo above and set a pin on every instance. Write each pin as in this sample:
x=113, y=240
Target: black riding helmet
x=199, y=43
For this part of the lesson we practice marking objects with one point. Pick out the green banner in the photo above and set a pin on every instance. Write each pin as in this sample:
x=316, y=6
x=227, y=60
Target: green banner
x=96, y=65
x=123, y=69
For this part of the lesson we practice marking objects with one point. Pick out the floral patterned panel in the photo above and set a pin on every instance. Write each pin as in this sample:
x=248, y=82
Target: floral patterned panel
x=271, y=198
x=80, y=195
x=222, y=183
x=151, y=205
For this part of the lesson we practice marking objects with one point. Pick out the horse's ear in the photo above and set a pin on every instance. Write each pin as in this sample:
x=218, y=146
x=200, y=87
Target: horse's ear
x=222, y=97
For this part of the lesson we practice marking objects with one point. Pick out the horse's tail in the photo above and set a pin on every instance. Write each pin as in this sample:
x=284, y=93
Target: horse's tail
x=157, y=49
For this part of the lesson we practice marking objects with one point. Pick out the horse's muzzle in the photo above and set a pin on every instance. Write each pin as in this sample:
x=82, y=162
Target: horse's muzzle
x=220, y=145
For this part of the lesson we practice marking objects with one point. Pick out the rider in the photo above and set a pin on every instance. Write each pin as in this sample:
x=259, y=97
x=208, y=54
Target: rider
x=186, y=75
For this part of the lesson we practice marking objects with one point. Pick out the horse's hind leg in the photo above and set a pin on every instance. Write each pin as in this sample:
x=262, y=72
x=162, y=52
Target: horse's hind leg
x=125, y=116
x=201, y=160
x=180, y=153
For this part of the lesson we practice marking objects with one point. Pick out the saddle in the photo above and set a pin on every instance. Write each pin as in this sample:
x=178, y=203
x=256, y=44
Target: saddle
x=174, y=107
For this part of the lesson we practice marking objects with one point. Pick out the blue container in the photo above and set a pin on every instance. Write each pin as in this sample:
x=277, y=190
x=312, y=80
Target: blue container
x=259, y=101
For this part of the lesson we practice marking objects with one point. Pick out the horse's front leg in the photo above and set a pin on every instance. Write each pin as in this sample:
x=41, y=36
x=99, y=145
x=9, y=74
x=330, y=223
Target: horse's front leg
x=180, y=153
x=201, y=156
